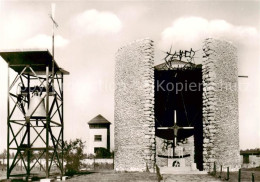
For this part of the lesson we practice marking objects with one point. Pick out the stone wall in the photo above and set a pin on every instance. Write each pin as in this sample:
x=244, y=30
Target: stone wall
x=134, y=107
x=220, y=105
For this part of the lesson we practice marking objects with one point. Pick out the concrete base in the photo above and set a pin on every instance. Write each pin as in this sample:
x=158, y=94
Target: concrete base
x=64, y=178
x=193, y=166
x=177, y=166
x=180, y=162
x=180, y=170
x=46, y=180
x=58, y=178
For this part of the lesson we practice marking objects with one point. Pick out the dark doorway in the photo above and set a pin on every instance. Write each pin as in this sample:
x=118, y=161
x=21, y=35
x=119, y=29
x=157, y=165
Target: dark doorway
x=180, y=90
x=245, y=159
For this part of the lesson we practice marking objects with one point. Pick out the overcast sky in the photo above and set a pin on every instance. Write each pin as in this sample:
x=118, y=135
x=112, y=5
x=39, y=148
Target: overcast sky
x=90, y=33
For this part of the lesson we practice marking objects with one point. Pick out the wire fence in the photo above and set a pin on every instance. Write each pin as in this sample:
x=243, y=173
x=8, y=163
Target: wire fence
x=225, y=174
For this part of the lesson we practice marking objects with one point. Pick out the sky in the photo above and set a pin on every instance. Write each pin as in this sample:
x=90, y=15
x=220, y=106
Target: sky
x=90, y=33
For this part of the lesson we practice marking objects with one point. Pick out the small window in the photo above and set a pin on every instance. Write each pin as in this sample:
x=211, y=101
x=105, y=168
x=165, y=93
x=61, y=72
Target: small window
x=98, y=138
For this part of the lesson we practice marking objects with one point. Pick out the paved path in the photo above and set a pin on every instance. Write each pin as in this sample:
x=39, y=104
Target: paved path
x=189, y=177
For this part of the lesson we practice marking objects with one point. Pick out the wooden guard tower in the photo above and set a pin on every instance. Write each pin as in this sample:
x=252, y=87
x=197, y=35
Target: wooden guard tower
x=36, y=140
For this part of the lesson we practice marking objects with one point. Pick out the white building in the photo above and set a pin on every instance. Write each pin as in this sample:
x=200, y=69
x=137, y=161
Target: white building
x=99, y=134
x=250, y=158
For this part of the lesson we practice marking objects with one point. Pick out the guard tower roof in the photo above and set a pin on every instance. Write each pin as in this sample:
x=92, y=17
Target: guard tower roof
x=37, y=59
x=99, y=119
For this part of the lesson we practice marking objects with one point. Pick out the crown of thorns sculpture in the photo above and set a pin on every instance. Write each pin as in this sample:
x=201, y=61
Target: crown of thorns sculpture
x=179, y=56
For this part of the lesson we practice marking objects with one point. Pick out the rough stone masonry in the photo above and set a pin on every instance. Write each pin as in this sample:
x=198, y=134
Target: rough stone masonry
x=135, y=146
x=134, y=107
x=220, y=105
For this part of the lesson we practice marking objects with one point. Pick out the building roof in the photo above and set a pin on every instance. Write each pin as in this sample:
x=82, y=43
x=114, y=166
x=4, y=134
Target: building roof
x=37, y=59
x=250, y=152
x=99, y=119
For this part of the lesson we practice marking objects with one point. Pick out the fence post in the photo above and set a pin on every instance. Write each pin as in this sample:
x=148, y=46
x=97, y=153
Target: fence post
x=253, y=177
x=214, y=169
x=114, y=162
x=94, y=163
x=239, y=175
x=227, y=174
x=220, y=171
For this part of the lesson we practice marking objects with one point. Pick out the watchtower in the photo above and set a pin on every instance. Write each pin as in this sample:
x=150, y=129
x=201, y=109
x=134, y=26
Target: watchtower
x=35, y=106
x=99, y=134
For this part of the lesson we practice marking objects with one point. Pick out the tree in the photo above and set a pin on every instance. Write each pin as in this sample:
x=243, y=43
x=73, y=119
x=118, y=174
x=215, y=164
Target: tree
x=32, y=155
x=73, y=154
x=4, y=155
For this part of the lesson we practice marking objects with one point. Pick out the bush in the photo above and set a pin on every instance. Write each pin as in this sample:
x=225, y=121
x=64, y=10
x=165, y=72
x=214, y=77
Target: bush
x=73, y=154
x=103, y=166
x=103, y=153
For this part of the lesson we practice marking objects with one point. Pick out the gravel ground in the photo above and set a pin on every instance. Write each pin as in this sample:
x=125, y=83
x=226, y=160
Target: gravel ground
x=246, y=175
x=142, y=177
x=111, y=176
x=189, y=177
x=115, y=177
x=2, y=175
